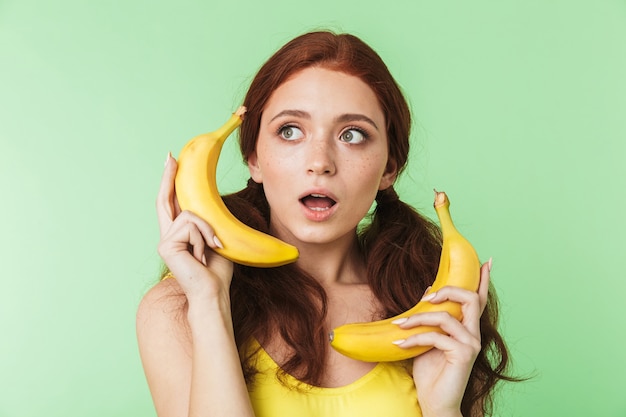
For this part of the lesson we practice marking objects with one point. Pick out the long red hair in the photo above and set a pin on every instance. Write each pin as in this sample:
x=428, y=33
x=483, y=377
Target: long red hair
x=400, y=247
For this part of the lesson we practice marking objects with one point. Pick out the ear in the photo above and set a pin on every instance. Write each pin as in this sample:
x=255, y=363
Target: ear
x=389, y=176
x=254, y=168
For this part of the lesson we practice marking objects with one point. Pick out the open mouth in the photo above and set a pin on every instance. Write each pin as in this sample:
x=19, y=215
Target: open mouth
x=318, y=202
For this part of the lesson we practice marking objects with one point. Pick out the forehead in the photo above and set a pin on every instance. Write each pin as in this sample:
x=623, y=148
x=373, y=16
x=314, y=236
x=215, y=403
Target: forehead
x=318, y=89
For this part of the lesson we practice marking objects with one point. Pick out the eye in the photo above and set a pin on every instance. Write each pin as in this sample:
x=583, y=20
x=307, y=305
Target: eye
x=290, y=133
x=353, y=135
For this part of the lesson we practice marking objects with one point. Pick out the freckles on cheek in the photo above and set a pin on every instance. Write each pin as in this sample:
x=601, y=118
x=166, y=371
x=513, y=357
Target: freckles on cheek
x=372, y=171
x=274, y=168
x=367, y=168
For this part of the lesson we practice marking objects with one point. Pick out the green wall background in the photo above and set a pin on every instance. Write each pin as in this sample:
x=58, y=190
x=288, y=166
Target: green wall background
x=520, y=113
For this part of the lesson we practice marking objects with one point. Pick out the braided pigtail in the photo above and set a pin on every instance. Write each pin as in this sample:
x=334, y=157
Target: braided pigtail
x=250, y=206
x=402, y=250
x=283, y=300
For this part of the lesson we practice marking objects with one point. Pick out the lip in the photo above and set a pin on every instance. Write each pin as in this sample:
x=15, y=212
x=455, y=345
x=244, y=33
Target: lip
x=318, y=215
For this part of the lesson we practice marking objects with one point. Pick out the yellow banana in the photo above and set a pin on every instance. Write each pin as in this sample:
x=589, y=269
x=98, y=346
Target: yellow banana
x=458, y=266
x=196, y=189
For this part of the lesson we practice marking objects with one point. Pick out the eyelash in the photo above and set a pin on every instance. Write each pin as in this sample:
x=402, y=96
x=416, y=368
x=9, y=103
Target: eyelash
x=362, y=131
x=285, y=126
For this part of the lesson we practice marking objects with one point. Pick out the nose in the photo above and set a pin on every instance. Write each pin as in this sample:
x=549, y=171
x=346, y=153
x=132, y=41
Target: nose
x=321, y=157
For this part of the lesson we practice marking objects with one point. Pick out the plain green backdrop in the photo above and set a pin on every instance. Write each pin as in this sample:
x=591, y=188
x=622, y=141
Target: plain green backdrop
x=520, y=110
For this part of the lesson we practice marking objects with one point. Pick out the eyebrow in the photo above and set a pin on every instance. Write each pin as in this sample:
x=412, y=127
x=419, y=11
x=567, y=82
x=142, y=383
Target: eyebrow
x=296, y=113
x=351, y=117
x=346, y=117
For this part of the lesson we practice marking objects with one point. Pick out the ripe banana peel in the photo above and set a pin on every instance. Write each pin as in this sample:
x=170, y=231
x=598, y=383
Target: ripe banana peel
x=458, y=266
x=196, y=190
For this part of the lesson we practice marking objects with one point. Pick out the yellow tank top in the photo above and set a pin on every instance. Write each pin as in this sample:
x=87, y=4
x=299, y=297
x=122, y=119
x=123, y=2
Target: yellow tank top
x=387, y=390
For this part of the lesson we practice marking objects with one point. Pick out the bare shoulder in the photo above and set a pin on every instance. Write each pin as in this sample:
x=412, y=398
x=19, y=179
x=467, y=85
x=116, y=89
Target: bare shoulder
x=165, y=346
x=164, y=298
x=161, y=314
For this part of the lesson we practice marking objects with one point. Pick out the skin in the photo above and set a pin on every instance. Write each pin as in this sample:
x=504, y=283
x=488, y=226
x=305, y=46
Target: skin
x=307, y=144
x=326, y=153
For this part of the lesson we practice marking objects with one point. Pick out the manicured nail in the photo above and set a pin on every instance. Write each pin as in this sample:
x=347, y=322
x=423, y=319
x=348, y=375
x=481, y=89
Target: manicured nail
x=167, y=159
x=429, y=297
x=398, y=342
x=204, y=259
x=400, y=320
x=490, y=264
x=217, y=242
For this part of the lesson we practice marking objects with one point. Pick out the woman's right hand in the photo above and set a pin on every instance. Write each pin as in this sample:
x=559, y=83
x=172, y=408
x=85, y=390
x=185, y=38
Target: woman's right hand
x=186, y=244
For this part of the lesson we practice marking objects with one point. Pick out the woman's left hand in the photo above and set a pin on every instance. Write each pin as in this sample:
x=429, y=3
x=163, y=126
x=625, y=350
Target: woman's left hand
x=442, y=373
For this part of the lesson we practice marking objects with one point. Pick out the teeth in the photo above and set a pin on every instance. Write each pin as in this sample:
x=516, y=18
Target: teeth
x=318, y=208
x=318, y=195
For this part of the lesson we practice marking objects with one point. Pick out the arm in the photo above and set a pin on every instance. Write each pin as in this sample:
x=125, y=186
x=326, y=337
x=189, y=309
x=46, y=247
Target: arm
x=191, y=362
x=189, y=355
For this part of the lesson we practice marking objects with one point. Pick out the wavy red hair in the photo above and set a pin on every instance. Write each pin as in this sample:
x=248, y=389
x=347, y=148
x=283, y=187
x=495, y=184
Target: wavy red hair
x=400, y=247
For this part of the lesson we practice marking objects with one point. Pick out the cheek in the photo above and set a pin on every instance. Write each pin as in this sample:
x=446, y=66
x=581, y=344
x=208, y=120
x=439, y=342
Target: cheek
x=373, y=169
x=277, y=171
x=273, y=168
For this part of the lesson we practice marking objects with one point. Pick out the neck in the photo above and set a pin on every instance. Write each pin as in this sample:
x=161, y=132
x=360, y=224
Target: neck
x=333, y=263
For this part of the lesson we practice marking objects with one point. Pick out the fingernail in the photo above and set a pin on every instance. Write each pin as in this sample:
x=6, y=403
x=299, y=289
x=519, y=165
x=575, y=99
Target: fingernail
x=167, y=159
x=429, y=297
x=217, y=242
x=204, y=259
x=399, y=342
x=490, y=264
x=400, y=320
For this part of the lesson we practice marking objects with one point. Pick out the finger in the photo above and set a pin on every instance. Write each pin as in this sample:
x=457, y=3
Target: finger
x=166, y=210
x=208, y=233
x=177, y=209
x=197, y=244
x=188, y=234
x=441, y=320
x=182, y=224
x=470, y=304
x=451, y=293
x=455, y=350
x=483, y=287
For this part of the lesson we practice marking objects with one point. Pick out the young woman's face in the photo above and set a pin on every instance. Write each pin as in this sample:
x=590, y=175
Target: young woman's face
x=321, y=155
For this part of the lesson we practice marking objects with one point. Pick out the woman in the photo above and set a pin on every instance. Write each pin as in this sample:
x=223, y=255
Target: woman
x=325, y=135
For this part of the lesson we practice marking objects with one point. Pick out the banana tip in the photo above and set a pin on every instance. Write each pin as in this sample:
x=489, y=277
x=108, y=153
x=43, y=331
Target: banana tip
x=331, y=336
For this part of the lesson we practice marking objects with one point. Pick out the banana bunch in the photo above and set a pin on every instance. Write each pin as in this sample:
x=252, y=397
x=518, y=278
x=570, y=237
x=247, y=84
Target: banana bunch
x=196, y=189
x=458, y=266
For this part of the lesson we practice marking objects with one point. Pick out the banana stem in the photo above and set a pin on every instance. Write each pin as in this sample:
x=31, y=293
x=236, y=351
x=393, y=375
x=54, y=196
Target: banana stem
x=441, y=198
x=233, y=123
x=442, y=207
x=241, y=111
